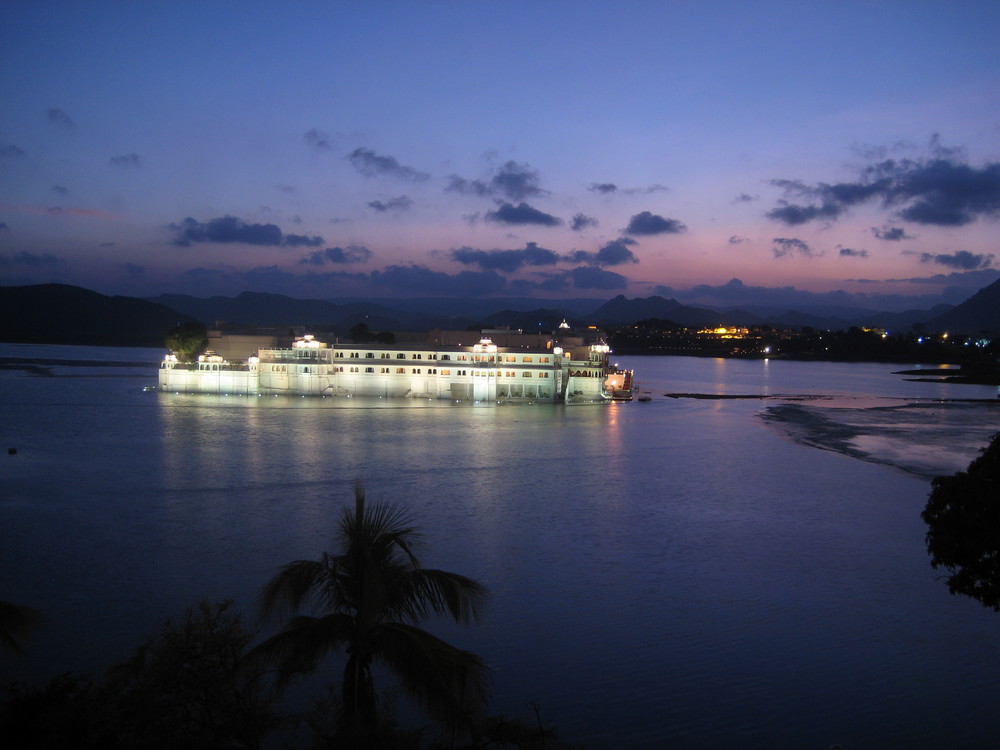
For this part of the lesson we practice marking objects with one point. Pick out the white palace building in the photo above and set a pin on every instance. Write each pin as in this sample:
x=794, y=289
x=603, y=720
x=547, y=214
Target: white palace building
x=560, y=368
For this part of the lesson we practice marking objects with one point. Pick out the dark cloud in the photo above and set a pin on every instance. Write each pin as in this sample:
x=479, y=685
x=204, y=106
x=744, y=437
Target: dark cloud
x=966, y=281
x=847, y=252
x=58, y=117
x=3, y=226
x=516, y=181
x=784, y=246
x=793, y=215
x=962, y=259
x=507, y=261
x=287, y=189
x=615, y=253
x=60, y=189
x=746, y=198
x=603, y=187
x=421, y=280
x=645, y=224
x=941, y=190
x=223, y=230
x=338, y=255
x=947, y=194
x=10, y=151
x=522, y=213
x=301, y=240
x=590, y=277
x=458, y=184
x=891, y=234
x=317, y=140
x=400, y=203
x=737, y=240
x=370, y=164
x=30, y=260
x=133, y=269
x=512, y=180
x=107, y=244
x=126, y=161
x=581, y=222
x=648, y=190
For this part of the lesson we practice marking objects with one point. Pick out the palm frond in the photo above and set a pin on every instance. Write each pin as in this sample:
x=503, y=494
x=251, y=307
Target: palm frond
x=446, y=681
x=426, y=590
x=290, y=587
x=302, y=643
x=16, y=623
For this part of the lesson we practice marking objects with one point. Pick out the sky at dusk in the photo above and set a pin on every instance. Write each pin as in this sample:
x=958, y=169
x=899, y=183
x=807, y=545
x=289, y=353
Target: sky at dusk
x=722, y=153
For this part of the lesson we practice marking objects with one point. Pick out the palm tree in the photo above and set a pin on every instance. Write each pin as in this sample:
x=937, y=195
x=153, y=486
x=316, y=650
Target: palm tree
x=371, y=598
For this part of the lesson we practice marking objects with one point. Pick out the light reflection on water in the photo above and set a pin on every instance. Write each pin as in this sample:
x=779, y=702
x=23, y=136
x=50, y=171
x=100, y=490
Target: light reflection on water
x=668, y=573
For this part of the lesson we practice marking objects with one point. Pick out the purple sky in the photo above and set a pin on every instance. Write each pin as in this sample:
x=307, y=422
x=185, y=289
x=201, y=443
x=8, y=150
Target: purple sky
x=722, y=153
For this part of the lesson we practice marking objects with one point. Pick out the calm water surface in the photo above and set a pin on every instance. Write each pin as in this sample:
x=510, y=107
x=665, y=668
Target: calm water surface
x=683, y=573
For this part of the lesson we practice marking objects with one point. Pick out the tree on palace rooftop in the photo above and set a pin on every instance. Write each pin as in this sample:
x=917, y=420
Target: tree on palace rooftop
x=187, y=340
x=963, y=519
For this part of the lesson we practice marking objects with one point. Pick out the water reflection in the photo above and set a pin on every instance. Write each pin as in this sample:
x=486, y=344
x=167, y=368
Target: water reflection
x=671, y=573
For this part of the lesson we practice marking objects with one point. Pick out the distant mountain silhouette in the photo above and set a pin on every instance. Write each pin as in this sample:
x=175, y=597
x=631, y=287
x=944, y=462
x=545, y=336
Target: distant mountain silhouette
x=262, y=309
x=58, y=313
x=63, y=314
x=981, y=312
x=623, y=311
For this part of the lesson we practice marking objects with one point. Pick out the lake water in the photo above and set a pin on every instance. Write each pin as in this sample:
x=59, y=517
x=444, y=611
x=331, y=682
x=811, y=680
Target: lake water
x=684, y=573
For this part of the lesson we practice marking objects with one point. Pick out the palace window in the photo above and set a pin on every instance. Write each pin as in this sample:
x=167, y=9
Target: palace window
x=446, y=372
x=400, y=356
x=526, y=359
x=445, y=356
x=369, y=369
x=415, y=370
x=400, y=370
x=525, y=374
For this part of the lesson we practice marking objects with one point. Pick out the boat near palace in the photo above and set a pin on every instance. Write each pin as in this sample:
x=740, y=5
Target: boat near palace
x=562, y=368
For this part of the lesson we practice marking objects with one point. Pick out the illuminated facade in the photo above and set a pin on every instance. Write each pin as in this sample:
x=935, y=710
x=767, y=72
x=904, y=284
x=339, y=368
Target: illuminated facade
x=572, y=373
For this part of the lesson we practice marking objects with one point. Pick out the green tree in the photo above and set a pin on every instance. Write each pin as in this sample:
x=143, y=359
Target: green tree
x=187, y=340
x=371, y=597
x=963, y=519
x=189, y=686
x=359, y=333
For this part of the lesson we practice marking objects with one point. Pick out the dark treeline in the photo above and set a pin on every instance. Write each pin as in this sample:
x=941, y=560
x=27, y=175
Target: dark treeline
x=978, y=356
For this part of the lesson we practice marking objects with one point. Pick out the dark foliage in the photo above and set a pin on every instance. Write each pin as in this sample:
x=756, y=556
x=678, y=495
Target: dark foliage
x=963, y=519
x=185, y=687
x=187, y=340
